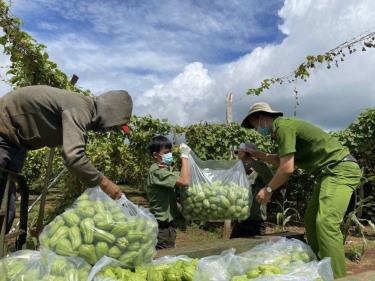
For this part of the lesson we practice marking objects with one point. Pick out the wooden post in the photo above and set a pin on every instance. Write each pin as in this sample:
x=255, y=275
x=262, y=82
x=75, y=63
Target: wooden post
x=174, y=133
x=229, y=117
x=229, y=103
x=4, y=214
x=39, y=224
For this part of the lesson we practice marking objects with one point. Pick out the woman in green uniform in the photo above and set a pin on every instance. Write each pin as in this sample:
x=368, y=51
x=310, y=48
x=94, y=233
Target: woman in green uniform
x=304, y=145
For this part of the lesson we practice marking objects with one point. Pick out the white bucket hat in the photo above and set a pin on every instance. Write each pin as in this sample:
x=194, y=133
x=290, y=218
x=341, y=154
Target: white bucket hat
x=256, y=108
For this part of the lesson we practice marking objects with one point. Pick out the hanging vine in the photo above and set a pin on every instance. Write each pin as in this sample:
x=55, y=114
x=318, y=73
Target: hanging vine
x=332, y=57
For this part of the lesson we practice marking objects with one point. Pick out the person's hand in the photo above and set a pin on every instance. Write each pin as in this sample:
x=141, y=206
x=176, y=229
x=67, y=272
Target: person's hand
x=184, y=150
x=263, y=196
x=124, y=203
x=243, y=155
x=250, y=149
x=109, y=187
x=121, y=201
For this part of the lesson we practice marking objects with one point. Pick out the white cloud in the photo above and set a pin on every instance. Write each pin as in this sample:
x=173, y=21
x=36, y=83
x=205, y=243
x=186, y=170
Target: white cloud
x=331, y=98
x=47, y=26
x=117, y=44
x=4, y=63
x=177, y=99
x=144, y=47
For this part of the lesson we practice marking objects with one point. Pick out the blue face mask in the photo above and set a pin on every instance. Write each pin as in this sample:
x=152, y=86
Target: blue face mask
x=167, y=158
x=264, y=131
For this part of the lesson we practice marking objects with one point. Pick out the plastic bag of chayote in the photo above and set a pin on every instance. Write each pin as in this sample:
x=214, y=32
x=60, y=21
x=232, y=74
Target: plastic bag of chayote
x=311, y=271
x=97, y=226
x=215, y=268
x=44, y=265
x=219, y=190
x=282, y=258
x=164, y=268
x=282, y=253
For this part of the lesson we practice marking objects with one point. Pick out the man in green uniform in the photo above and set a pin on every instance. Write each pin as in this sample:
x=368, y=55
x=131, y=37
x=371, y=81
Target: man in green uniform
x=41, y=116
x=259, y=175
x=303, y=145
x=161, y=189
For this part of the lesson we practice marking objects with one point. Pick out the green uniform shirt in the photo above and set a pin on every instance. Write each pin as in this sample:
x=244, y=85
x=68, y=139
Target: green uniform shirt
x=161, y=193
x=312, y=147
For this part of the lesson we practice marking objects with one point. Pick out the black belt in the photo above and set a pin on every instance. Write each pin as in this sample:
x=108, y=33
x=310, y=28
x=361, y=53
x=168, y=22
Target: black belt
x=165, y=224
x=347, y=158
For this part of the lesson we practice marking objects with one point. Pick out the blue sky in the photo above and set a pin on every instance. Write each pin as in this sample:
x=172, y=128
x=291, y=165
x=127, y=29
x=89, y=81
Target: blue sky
x=175, y=33
x=178, y=59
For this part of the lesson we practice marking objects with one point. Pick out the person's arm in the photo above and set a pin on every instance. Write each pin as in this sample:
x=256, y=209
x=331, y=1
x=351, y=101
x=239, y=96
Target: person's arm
x=75, y=123
x=184, y=179
x=272, y=159
x=286, y=168
x=263, y=170
x=286, y=138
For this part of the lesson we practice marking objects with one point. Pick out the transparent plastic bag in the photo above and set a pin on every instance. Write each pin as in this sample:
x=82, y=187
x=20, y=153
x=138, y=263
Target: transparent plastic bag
x=219, y=190
x=311, y=271
x=97, y=226
x=282, y=251
x=215, y=268
x=44, y=265
x=108, y=269
x=171, y=259
x=100, y=266
x=172, y=268
x=283, y=258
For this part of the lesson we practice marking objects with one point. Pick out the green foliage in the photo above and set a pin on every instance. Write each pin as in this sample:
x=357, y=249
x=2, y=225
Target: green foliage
x=213, y=141
x=138, y=159
x=106, y=151
x=355, y=253
x=30, y=64
x=352, y=219
x=359, y=137
x=123, y=163
x=298, y=188
x=129, y=163
x=285, y=214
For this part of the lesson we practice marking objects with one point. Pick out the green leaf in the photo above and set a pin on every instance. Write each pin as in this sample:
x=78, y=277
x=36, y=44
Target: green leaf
x=287, y=219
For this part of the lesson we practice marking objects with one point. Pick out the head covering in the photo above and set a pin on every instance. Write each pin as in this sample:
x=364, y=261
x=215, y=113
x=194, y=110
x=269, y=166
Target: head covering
x=259, y=107
x=113, y=108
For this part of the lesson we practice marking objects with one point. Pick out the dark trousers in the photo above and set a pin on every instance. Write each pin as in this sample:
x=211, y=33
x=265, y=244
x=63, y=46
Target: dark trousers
x=166, y=236
x=248, y=228
x=11, y=158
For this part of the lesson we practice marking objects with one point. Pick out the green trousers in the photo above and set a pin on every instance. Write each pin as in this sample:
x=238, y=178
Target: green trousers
x=326, y=210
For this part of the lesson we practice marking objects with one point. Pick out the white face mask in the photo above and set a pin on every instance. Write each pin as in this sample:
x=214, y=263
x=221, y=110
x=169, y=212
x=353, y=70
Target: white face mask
x=126, y=141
